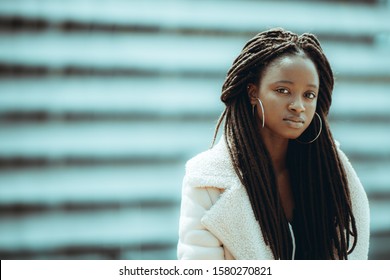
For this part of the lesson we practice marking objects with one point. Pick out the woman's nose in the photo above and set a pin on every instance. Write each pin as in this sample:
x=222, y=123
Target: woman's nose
x=296, y=106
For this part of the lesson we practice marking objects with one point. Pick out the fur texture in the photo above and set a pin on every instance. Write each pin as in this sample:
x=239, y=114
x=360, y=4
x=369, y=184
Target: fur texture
x=217, y=221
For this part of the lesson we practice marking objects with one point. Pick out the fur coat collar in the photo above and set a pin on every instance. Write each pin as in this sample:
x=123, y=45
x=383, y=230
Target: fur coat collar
x=231, y=218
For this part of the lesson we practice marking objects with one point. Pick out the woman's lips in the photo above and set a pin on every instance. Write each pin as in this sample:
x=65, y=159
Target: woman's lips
x=294, y=122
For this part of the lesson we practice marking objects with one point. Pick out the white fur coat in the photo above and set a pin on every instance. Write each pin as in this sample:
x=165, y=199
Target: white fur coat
x=217, y=221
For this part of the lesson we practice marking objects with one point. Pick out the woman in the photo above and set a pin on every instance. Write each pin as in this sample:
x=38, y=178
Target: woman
x=276, y=186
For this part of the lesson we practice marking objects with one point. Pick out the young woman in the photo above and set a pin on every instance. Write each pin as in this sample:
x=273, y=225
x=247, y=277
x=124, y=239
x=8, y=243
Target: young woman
x=277, y=185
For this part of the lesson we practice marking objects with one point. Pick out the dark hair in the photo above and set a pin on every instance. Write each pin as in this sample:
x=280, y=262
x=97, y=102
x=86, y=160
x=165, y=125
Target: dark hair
x=320, y=187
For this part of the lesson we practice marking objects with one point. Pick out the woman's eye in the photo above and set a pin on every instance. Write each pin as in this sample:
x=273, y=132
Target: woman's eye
x=282, y=90
x=310, y=95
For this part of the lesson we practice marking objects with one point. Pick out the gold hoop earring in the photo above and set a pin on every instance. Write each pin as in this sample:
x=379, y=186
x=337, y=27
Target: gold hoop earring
x=318, y=135
x=262, y=112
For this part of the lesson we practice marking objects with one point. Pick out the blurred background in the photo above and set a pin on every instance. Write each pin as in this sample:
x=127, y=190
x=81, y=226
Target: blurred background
x=102, y=102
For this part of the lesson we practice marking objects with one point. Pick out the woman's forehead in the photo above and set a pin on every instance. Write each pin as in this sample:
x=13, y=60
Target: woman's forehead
x=291, y=68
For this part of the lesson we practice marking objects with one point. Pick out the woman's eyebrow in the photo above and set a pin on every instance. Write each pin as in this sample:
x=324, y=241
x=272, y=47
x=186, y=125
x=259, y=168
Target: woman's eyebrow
x=291, y=83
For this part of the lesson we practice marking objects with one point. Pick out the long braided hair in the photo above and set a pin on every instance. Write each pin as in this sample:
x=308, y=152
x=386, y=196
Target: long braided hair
x=323, y=208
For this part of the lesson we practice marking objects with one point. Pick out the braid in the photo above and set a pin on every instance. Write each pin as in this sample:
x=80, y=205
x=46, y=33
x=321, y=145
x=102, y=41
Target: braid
x=266, y=213
x=319, y=183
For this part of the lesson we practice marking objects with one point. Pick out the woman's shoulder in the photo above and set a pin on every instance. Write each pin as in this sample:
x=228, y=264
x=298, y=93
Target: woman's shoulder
x=215, y=159
x=211, y=167
x=354, y=183
x=343, y=158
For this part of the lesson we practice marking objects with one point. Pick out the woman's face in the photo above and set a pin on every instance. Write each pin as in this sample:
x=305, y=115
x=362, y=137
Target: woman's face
x=288, y=89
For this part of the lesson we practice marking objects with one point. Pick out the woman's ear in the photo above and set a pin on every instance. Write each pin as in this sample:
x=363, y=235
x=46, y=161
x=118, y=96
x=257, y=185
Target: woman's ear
x=253, y=92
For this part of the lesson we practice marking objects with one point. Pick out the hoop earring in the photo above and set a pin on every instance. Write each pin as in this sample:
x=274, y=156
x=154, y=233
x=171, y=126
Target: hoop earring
x=318, y=135
x=262, y=112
